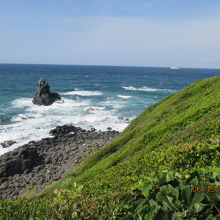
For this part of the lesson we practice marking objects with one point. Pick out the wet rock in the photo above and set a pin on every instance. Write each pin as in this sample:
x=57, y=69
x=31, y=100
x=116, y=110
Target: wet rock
x=43, y=96
x=6, y=144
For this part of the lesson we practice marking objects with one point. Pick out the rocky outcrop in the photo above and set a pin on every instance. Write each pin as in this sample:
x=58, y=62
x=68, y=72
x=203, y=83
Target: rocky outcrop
x=43, y=96
x=6, y=144
x=37, y=164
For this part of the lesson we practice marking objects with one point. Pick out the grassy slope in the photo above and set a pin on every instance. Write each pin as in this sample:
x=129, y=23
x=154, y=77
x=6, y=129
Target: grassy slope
x=175, y=134
x=186, y=117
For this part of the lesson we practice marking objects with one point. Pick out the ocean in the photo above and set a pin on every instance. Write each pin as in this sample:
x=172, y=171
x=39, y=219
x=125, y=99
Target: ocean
x=92, y=96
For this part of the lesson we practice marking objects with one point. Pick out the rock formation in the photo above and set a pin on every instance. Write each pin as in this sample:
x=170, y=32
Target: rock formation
x=6, y=144
x=43, y=96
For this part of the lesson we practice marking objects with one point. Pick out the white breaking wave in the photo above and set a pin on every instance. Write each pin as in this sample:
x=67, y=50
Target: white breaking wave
x=94, y=108
x=83, y=93
x=36, y=121
x=145, y=88
x=21, y=117
x=115, y=104
x=59, y=105
x=125, y=96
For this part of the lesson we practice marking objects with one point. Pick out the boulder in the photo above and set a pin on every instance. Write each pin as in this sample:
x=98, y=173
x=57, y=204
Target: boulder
x=43, y=96
x=6, y=144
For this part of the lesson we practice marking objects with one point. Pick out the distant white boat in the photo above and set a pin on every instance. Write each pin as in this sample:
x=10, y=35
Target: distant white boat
x=174, y=68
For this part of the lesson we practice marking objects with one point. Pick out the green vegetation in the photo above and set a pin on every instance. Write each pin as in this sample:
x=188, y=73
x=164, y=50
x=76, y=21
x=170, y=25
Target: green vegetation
x=148, y=171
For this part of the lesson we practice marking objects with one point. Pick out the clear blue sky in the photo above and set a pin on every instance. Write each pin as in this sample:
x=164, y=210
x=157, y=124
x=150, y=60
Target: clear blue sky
x=111, y=32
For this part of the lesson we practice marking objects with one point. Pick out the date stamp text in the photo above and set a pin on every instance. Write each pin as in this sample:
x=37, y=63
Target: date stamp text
x=208, y=188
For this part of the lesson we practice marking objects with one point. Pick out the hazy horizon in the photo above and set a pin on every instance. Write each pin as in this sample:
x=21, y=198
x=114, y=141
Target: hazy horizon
x=103, y=65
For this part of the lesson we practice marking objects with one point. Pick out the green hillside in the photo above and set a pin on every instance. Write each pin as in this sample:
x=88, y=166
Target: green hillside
x=148, y=171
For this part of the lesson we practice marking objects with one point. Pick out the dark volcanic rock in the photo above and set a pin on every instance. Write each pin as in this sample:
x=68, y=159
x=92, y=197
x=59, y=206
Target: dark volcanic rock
x=43, y=162
x=6, y=144
x=43, y=96
x=64, y=130
x=18, y=161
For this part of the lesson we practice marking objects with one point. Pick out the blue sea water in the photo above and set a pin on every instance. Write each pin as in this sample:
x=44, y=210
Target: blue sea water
x=92, y=96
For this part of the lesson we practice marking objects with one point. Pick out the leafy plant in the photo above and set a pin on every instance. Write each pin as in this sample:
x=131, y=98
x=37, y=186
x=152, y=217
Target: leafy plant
x=170, y=196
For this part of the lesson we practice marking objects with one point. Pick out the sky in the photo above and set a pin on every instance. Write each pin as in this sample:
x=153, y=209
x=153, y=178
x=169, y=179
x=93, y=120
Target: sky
x=182, y=33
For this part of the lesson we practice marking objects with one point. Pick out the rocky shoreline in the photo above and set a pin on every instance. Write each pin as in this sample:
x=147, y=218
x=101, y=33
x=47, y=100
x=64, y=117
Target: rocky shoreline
x=38, y=164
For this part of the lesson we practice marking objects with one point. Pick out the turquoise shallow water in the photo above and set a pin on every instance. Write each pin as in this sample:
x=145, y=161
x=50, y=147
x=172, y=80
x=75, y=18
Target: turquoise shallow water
x=92, y=96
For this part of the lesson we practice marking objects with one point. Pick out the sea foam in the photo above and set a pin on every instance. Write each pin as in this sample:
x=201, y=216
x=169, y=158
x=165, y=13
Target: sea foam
x=36, y=121
x=146, y=89
x=83, y=93
x=125, y=96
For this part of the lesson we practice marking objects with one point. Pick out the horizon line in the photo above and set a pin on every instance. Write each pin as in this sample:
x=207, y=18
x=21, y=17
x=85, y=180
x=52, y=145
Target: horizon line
x=104, y=65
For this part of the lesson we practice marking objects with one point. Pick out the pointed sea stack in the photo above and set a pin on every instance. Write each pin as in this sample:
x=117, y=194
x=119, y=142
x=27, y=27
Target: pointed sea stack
x=43, y=96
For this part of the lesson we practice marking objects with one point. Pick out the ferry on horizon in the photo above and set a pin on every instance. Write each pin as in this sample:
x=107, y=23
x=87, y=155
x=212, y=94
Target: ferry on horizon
x=174, y=68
